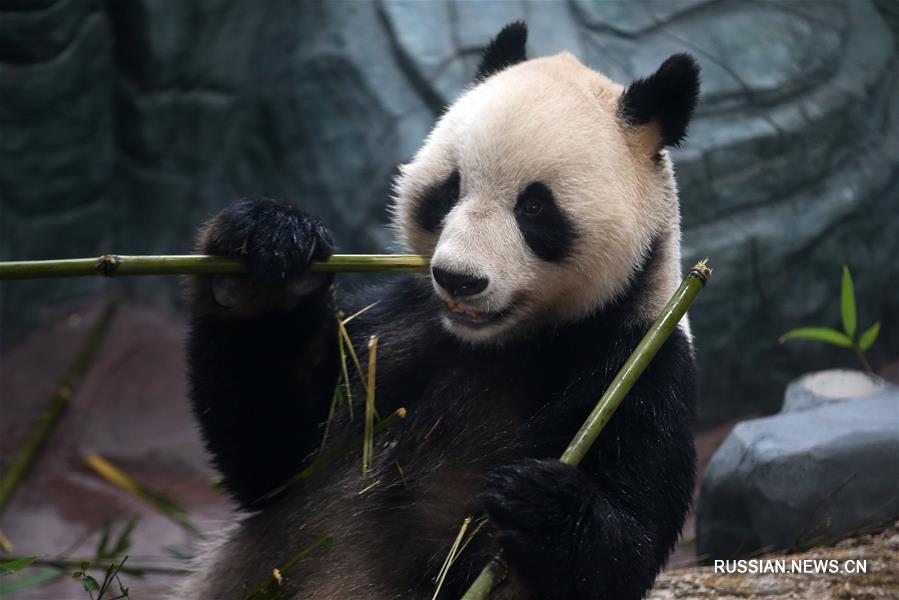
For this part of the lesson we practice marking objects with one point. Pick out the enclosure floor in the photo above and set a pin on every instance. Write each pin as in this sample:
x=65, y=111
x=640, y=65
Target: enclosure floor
x=880, y=581
x=131, y=409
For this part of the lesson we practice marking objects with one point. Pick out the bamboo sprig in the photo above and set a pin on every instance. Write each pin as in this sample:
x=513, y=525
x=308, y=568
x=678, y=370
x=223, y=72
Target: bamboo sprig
x=271, y=589
x=113, y=265
x=48, y=419
x=335, y=454
x=451, y=556
x=627, y=376
x=121, y=480
x=368, y=442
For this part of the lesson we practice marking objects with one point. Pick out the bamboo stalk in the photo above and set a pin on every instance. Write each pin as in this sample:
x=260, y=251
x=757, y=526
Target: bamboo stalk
x=136, y=570
x=118, y=478
x=5, y=545
x=112, y=265
x=627, y=376
x=368, y=442
x=48, y=419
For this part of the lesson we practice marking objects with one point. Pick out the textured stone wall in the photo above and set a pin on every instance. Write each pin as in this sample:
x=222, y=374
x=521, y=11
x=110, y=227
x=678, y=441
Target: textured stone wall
x=124, y=124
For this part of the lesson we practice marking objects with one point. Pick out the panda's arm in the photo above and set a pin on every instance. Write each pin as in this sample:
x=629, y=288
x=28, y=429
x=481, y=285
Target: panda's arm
x=262, y=354
x=604, y=529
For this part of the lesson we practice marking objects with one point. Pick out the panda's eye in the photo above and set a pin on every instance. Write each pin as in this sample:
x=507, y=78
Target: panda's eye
x=544, y=226
x=532, y=206
x=437, y=201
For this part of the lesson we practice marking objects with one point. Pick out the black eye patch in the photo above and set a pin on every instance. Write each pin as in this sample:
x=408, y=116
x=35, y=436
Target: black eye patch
x=545, y=228
x=437, y=202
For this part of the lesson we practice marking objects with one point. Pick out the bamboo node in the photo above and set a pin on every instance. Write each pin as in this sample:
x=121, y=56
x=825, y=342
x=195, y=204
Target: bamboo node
x=108, y=264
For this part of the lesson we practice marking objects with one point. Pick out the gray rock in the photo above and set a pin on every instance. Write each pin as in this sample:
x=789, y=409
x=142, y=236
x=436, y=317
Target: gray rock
x=790, y=168
x=835, y=385
x=822, y=469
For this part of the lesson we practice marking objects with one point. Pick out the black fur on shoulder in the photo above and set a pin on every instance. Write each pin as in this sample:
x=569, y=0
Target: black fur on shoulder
x=667, y=97
x=505, y=50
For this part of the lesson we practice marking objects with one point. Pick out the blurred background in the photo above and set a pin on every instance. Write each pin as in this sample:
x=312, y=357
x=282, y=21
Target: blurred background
x=125, y=124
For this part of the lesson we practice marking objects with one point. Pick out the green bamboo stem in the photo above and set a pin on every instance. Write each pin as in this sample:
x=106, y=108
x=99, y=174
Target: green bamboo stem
x=112, y=265
x=136, y=570
x=58, y=405
x=121, y=480
x=601, y=414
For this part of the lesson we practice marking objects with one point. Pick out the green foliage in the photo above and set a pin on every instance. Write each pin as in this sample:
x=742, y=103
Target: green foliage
x=846, y=338
x=111, y=576
x=821, y=334
x=14, y=566
x=107, y=551
x=26, y=580
x=847, y=303
x=32, y=579
x=869, y=336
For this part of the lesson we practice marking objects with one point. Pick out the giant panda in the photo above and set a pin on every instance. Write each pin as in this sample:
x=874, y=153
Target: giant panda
x=547, y=200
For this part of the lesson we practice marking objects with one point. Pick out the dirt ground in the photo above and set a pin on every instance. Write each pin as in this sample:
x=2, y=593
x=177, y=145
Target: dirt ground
x=131, y=408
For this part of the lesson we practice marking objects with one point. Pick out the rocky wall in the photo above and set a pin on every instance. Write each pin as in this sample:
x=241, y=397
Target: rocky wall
x=124, y=124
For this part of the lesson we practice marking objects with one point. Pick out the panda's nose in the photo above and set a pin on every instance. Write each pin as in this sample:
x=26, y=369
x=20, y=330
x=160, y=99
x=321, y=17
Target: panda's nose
x=459, y=284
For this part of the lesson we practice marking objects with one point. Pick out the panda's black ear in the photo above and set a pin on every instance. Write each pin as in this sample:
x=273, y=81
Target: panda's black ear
x=666, y=98
x=506, y=49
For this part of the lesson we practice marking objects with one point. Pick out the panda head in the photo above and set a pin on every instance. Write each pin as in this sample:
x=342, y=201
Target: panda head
x=540, y=192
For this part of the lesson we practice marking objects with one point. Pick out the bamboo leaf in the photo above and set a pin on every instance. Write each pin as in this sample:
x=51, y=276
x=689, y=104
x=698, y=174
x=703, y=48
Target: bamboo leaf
x=124, y=541
x=847, y=303
x=103, y=545
x=869, y=336
x=821, y=334
x=13, y=566
x=117, y=477
x=90, y=584
x=33, y=578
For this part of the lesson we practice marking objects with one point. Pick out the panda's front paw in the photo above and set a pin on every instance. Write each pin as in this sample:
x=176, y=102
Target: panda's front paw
x=538, y=507
x=276, y=240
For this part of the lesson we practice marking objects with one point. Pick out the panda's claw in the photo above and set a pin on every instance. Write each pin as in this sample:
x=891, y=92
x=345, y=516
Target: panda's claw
x=538, y=508
x=276, y=240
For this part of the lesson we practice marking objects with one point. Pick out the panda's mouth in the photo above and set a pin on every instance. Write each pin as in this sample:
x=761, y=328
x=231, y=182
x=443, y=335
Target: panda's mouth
x=473, y=316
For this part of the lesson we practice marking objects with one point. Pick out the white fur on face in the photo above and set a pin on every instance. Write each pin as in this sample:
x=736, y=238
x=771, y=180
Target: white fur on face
x=555, y=121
